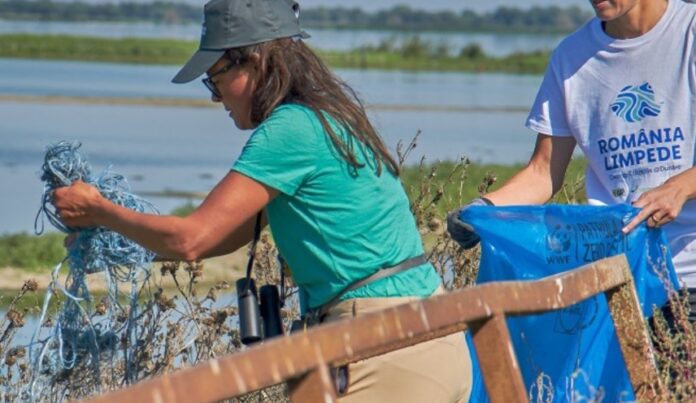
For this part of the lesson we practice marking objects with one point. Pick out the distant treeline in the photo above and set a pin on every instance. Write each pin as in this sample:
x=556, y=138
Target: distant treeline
x=46, y=10
x=535, y=19
x=414, y=54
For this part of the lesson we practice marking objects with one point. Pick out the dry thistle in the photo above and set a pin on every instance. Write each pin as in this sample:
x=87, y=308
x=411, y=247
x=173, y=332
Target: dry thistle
x=169, y=268
x=15, y=318
x=402, y=154
x=222, y=285
x=165, y=303
x=212, y=295
x=194, y=269
x=435, y=224
x=19, y=352
x=489, y=180
x=100, y=308
x=13, y=355
x=30, y=285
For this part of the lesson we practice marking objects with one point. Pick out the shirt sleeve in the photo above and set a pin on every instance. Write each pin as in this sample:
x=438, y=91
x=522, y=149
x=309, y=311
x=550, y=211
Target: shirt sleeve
x=549, y=112
x=281, y=153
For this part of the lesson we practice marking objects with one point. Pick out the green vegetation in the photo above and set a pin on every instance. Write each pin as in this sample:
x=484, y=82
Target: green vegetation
x=42, y=252
x=413, y=54
x=403, y=18
x=457, y=183
x=184, y=210
x=418, y=55
x=129, y=50
x=31, y=252
x=46, y=10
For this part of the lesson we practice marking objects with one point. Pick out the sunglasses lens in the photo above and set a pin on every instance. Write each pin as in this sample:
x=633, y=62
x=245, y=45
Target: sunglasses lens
x=208, y=81
x=211, y=86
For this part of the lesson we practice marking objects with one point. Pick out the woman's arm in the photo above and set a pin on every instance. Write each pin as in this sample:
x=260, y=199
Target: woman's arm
x=543, y=176
x=222, y=223
x=237, y=239
x=664, y=203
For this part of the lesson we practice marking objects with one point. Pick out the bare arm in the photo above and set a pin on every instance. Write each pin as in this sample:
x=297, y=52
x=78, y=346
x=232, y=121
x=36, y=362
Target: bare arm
x=664, y=203
x=543, y=176
x=222, y=223
x=238, y=238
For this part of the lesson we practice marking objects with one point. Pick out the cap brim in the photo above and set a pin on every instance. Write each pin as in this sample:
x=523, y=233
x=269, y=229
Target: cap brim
x=198, y=64
x=304, y=34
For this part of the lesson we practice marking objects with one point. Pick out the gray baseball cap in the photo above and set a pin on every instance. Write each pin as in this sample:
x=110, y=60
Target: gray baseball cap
x=236, y=23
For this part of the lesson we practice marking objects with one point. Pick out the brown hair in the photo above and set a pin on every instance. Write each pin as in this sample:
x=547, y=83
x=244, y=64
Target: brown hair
x=290, y=72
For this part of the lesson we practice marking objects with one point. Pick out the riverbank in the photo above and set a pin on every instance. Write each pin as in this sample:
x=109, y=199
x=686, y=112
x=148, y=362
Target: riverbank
x=205, y=103
x=226, y=268
x=414, y=55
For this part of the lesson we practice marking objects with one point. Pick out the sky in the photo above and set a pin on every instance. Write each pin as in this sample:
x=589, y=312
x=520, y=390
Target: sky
x=457, y=5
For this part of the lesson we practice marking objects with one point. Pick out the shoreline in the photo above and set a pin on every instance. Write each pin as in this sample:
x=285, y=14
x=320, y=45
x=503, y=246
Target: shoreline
x=227, y=268
x=206, y=103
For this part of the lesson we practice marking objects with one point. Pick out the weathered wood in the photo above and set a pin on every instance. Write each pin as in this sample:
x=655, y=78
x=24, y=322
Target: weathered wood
x=634, y=339
x=501, y=372
x=314, y=386
x=373, y=334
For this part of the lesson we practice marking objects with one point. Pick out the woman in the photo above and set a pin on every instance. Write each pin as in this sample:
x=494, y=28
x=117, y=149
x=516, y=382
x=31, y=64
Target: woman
x=622, y=88
x=325, y=181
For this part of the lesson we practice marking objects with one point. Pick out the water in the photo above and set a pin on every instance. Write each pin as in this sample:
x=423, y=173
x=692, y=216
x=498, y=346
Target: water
x=497, y=44
x=186, y=148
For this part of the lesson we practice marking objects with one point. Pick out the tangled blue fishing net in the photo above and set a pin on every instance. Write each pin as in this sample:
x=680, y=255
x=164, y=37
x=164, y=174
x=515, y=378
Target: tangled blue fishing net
x=85, y=335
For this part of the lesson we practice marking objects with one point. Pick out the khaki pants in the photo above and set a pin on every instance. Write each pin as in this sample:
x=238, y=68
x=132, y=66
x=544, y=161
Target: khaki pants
x=436, y=371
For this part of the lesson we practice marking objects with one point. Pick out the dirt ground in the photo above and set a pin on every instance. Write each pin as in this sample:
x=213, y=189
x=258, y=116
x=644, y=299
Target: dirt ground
x=223, y=268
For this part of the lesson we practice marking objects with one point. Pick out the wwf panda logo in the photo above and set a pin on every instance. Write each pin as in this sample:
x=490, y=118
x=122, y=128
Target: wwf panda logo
x=559, y=239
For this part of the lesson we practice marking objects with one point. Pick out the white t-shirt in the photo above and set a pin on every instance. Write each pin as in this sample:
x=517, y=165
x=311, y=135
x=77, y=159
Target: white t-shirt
x=631, y=106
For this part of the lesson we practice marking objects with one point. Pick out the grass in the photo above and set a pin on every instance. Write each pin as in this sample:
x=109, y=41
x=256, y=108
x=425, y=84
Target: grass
x=478, y=179
x=127, y=50
x=527, y=63
x=32, y=253
x=413, y=55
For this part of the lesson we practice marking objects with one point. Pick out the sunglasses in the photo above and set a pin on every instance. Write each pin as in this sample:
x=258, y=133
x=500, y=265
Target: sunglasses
x=208, y=81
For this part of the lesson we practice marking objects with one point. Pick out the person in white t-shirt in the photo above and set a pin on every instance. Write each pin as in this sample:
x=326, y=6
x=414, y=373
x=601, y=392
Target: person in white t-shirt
x=622, y=88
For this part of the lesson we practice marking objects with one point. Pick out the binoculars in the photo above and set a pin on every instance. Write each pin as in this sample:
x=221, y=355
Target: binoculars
x=258, y=321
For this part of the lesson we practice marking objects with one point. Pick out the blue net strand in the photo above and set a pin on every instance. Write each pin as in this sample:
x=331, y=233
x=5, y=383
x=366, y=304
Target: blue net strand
x=78, y=337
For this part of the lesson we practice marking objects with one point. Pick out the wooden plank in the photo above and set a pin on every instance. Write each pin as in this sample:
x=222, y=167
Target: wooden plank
x=315, y=386
x=377, y=333
x=501, y=372
x=634, y=339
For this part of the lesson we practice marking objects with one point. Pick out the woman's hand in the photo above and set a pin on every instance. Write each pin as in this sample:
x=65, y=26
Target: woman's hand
x=659, y=206
x=77, y=205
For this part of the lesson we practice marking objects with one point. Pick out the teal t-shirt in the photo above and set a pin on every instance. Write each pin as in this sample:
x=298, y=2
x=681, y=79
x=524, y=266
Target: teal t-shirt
x=333, y=224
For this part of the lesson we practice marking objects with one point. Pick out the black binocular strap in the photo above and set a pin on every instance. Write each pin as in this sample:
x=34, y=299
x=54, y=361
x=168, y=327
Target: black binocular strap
x=252, y=251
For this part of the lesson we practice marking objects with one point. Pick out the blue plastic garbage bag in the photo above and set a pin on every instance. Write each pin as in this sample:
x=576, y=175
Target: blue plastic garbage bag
x=570, y=354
